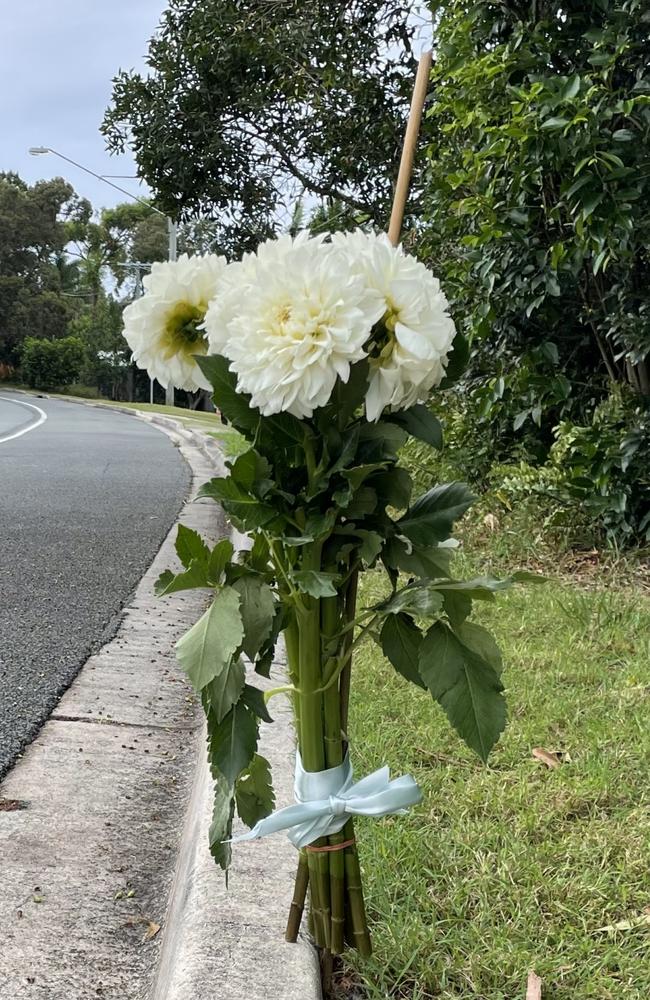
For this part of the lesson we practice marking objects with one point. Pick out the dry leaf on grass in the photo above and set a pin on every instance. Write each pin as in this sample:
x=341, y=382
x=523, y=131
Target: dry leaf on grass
x=547, y=757
x=642, y=920
x=534, y=990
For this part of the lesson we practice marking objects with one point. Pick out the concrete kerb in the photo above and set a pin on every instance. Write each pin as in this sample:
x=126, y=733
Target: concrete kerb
x=109, y=889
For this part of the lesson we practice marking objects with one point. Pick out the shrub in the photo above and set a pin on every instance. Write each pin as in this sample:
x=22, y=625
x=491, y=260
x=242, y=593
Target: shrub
x=597, y=477
x=84, y=391
x=51, y=364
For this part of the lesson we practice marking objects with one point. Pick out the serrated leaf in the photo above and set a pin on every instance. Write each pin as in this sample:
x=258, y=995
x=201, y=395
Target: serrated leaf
x=233, y=405
x=421, y=599
x=233, y=742
x=223, y=811
x=420, y=423
x=380, y=441
x=316, y=584
x=363, y=502
x=466, y=686
x=224, y=691
x=253, y=698
x=431, y=518
x=254, y=791
x=170, y=583
x=247, y=509
x=257, y=609
x=219, y=558
x=190, y=547
x=252, y=472
x=206, y=650
x=481, y=642
x=400, y=641
x=393, y=487
x=428, y=563
x=481, y=588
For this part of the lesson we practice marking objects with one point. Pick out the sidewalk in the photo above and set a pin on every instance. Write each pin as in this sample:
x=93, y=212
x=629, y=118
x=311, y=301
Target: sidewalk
x=108, y=888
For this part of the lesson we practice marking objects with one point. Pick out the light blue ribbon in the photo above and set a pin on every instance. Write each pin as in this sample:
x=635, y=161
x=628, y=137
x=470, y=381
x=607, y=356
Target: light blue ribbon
x=325, y=799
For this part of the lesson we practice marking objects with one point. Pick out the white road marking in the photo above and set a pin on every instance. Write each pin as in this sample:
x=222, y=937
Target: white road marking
x=42, y=417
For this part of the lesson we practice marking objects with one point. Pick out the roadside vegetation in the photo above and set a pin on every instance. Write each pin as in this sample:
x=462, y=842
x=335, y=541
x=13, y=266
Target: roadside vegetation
x=540, y=860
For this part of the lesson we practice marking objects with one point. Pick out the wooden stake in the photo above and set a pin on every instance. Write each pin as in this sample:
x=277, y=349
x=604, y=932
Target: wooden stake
x=408, y=150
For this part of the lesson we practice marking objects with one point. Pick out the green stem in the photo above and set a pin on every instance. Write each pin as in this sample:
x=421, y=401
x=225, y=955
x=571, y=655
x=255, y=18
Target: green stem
x=312, y=749
x=334, y=757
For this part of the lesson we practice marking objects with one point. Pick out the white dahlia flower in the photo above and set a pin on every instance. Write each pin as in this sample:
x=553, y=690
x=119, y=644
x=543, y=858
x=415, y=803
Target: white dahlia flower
x=291, y=318
x=163, y=328
x=408, y=349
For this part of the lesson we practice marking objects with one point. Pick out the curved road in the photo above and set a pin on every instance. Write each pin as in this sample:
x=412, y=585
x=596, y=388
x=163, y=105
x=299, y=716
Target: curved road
x=87, y=495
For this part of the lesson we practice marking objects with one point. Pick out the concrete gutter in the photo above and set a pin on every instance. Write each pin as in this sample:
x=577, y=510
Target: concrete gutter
x=108, y=887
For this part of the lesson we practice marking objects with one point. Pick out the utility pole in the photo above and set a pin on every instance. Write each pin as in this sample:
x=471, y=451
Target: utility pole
x=173, y=232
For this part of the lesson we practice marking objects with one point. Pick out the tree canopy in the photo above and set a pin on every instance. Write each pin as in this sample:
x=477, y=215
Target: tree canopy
x=249, y=104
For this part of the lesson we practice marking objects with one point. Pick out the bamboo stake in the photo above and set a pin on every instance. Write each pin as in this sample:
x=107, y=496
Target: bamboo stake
x=408, y=150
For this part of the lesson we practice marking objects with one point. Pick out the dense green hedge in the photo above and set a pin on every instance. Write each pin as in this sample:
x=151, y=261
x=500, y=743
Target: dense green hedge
x=51, y=364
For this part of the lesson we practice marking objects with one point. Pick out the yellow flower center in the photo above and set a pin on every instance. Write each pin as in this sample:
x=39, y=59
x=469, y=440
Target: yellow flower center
x=382, y=340
x=182, y=334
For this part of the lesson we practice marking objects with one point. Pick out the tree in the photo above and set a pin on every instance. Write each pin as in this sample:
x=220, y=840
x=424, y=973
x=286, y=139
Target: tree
x=537, y=213
x=35, y=226
x=250, y=103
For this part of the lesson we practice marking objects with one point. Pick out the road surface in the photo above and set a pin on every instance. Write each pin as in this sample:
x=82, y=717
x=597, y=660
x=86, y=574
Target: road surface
x=86, y=497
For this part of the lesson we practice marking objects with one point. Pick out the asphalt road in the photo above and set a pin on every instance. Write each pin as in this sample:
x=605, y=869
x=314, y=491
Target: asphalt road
x=86, y=497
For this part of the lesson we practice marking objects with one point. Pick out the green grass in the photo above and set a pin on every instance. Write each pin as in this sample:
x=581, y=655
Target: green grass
x=516, y=866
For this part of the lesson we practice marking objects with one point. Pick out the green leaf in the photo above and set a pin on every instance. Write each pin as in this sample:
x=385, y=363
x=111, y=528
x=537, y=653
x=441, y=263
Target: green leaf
x=371, y=545
x=363, y=502
x=400, y=641
x=190, y=546
x=252, y=472
x=250, y=512
x=431, y=518
x=458, y=607
x=257, y=609
x=233, y=405
x=359, y=473
x=233, y=742
x=380, y=442
x=466, y=686
x=429, y=563
x=456, y=361
x=554, y=122
x=316, y=584
x=206, y=650
x=420, y=423
x=478, y=639
x=219, y=558
x=421, y=599
x=223, y=812
x=223, y=692
x=170, y=583
x=481, y=588
x=254, y=791
x=253, y=698
x=393, y=487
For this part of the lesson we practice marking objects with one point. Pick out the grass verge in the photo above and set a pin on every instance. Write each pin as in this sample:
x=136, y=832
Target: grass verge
x=517, y=866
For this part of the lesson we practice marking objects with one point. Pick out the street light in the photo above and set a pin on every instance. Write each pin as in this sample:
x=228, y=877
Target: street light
x=171, y=225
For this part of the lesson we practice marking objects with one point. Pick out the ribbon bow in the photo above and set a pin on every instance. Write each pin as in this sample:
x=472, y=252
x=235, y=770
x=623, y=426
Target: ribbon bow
x=324, y=800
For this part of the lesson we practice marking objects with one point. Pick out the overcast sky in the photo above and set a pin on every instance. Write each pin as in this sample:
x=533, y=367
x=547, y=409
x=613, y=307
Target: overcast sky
x=57, y=60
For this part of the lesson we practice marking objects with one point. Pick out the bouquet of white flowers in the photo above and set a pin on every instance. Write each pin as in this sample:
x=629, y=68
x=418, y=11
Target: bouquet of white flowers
x=321, y=352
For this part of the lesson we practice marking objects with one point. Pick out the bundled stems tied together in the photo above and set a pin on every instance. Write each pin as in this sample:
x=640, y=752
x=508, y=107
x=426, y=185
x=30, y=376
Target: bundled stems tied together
x=321, y=641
